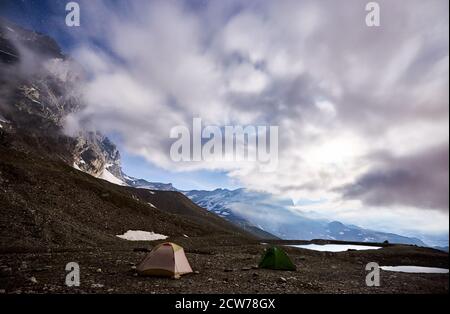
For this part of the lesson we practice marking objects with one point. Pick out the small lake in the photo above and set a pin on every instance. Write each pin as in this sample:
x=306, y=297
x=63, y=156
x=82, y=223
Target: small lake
x=335, y=247
x=416, y=269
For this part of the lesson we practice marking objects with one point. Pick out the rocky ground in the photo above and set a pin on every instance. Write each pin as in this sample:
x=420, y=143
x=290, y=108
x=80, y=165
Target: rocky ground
x=222, y=269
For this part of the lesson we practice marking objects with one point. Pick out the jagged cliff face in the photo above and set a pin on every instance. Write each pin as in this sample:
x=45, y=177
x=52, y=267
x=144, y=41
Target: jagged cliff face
x=39, y=89
x=38, y=81
x=97, y=155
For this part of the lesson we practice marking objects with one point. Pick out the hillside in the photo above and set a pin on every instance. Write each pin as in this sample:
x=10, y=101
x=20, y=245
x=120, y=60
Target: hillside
x=50, y=204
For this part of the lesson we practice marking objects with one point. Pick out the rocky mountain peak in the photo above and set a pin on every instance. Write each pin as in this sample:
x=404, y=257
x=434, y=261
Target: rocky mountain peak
x=94, y=153
x=39, y=99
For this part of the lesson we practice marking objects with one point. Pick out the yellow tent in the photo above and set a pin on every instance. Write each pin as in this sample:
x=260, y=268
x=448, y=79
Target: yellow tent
x=166, y=259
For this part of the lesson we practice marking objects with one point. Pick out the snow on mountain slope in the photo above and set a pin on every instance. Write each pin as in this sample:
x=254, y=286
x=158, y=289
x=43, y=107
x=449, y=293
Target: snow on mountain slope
x=108, y=176
x=274, y=215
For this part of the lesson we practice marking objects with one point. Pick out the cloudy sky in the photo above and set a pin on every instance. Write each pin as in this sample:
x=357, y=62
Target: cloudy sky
x=363, y=112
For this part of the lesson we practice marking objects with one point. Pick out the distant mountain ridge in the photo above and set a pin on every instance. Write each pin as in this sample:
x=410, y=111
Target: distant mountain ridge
x=144, y=184
x=273, y=214
x=442, y=248
x=254, y=211
x=268, y=216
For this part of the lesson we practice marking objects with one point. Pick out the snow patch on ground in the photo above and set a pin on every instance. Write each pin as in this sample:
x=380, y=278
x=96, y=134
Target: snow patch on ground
x=335, y=247
x=151, y=205
x=76, y=166
x=138, y=235
x=416, y=269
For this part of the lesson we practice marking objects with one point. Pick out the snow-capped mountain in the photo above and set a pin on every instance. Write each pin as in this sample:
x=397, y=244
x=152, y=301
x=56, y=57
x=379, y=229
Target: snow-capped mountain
x=40, y=98
x=220, y=202
x=275, y=215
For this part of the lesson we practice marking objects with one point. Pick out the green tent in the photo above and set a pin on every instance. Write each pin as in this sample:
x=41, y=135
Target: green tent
x=276, y=258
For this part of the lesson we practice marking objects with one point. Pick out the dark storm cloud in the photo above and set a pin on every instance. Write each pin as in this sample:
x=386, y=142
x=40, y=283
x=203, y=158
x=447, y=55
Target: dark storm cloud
x=420, y=180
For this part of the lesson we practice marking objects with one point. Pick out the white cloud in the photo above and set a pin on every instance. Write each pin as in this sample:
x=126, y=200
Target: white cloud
x=246, y=79
x=339, y=91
